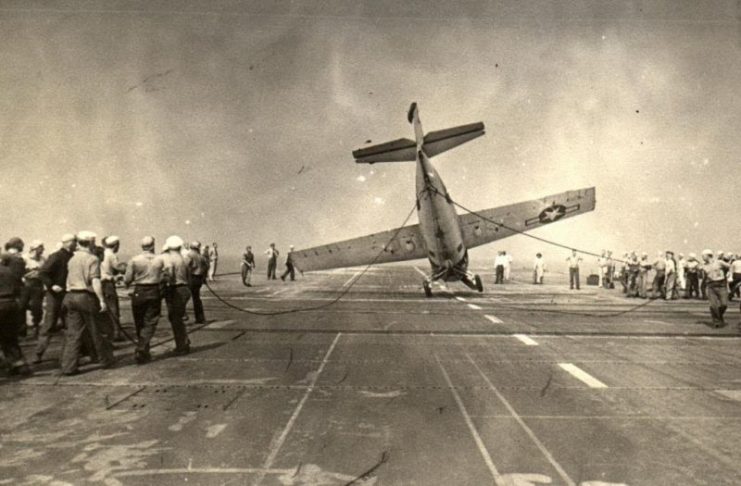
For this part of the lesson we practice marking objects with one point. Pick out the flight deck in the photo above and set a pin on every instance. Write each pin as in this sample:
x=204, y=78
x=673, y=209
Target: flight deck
x=519, y=385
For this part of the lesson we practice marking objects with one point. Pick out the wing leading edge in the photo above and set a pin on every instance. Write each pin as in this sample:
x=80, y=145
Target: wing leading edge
x=524, y=216
x=380, y=247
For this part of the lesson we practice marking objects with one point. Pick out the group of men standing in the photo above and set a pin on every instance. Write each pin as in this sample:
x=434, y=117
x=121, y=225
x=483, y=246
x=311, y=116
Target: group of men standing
x=248, y=265
x=79, y=284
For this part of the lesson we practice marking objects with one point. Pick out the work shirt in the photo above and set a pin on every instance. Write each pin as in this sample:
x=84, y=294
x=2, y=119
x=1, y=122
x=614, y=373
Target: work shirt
x=289, y=258
x=13, y=260
x=670, y=267
x=681, y=265
x=198, y=264
x=574, y=261
x=736, y=266
x=660, y=265
x=692, y=266
x=248, y=259
x=213, y=254
x=715, y=271
x=500, y=260
x=32, y=267
x=272, y=253
x=82, y=269
x=10, y=284
x=646, y=266
x=539, y=265
x=54, y=270
x=144, y=269
x=176, y=268
x=110, y=265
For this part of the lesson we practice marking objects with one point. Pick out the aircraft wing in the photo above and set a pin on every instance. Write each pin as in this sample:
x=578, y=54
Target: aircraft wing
x=524, y=216
x=407, y=245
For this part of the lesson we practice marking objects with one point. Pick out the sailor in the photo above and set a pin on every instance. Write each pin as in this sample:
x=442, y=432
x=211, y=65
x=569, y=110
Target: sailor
x=717, y=288
x=507, y=265
x=671, y=277
x=538, y=269
x=736, y=275
x=272, y=254
x=601, y=263
x=634, y=276
x=659, y=286
x=54, y=275
x=177, y=294
x=573, y=262
x=198, y=271
x=213, y=259
x=13, y=259
x=499, y=263
x=84, y=303
x=10, y=290
x=692, y=268
x=681, y=273
x=110, y=269
x=144, y=271
x=644, y=282
x=624, y=274
x=248, y=265
x=32, y=297
x=290, y=270
x=609, y=272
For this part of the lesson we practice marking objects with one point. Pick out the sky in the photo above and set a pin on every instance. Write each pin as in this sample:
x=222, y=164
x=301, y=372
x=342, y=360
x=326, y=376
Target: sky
x=235, y=121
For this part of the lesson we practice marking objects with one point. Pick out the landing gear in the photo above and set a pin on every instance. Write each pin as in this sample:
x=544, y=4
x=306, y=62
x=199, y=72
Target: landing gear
x=428, y=288
x=477, y=281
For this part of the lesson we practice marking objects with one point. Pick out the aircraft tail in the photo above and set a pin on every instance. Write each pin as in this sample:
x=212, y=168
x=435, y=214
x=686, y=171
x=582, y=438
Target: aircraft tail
x=405, y=150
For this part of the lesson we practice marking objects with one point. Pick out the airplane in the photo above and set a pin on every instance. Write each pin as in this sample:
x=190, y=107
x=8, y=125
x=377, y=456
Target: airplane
x=442, y=235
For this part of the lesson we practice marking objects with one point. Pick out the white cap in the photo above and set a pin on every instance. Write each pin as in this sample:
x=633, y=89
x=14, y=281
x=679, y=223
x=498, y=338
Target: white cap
x=707, y=252
x=111, y=240
x=291, y=247
x=692, y=255
x=86, y=236
x=173, y=242
x=195, y=245
x=36, y=244
x=67, y=237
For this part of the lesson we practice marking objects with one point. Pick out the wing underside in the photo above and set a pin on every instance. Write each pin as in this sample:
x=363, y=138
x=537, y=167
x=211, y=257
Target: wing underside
x=479, y=229
x=395, y=245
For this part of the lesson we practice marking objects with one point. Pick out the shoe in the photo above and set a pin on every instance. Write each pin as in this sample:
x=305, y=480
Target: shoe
x=283, y=278
x=142, y=357
x=37, y=360
x=182, y=351
x=70, y=373
x=249, y=285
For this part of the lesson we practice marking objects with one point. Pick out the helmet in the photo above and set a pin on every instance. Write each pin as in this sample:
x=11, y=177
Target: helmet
x=173, y=243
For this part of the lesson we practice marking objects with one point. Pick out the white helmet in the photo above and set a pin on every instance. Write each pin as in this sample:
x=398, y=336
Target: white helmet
x=174, y=242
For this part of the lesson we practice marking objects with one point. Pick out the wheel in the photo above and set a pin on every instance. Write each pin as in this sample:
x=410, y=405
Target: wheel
x=428, y=289
x=479, y=285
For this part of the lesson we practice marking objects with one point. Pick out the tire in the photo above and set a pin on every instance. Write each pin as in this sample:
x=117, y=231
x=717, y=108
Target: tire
x=479, y=285
x=428, y=289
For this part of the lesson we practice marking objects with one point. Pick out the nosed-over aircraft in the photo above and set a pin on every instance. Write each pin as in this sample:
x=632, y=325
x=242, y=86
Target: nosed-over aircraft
x=442, y=236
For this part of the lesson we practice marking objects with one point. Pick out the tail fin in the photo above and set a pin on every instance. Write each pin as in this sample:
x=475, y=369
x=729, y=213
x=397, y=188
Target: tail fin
x=405, y=150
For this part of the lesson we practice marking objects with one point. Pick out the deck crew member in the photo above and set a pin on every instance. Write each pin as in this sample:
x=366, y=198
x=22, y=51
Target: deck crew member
x=110, y=268
x=13, y=259
x=54, y=275
x=213, y=259
x=659, y=286
x=692, y=268
x=84, y=303
x=573, y=262
x=32, y=297
x=290, y=267
x=272, y=254
x=671, y=277
x=177, y=293
x=144, y=271
x=538, y=269
x=507, y=265
x=645, y=283
x=499, y=263
x=10, y=290
x=717, y=287
x=634, y=276
x=199, y=269
x=736, y=276
x=248, y=265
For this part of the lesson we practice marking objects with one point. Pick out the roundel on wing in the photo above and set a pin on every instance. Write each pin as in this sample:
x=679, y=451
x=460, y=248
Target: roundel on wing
x=552, y=213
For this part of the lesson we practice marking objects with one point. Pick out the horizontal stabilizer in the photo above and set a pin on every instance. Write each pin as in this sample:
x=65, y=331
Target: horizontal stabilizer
x=401, y=150
x=443, y=140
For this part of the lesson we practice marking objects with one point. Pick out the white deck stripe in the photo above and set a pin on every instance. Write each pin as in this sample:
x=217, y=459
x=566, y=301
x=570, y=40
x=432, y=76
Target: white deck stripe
x=221, y=324
x=350, y=280
x=567, y=479
x=494, y=319
x=282, y=438
x=460, y=299
x=582, y=375
x=476, y=437
x=474, y=307
x=525, y=339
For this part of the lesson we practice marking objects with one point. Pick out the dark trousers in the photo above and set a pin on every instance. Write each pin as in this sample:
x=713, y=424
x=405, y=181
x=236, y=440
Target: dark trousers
x=499, y=271
x=272, y=264
x=9, y=345
x=659, y=284
x=704, y=287
x=718, y=296
x=634, y=281
x=196, y=282
x=574, y=278
x=83, y=314
x=53, y=314
x=32, y=299
x=246, y=275
x=289, y=271
x=735, y=286
x=177, y=299
x=111, y=300
x=693, y=285
x=146, y=306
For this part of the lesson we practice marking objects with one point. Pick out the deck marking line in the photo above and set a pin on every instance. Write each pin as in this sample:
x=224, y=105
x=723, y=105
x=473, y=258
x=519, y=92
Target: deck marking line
x=284, y=435
x=461, y=299
x=561, y=472
x=476, y=437
x=351, y=279
x=582, y=375
x=221, y=324
x=494, y=319
x=474, y=307
x=528, y=341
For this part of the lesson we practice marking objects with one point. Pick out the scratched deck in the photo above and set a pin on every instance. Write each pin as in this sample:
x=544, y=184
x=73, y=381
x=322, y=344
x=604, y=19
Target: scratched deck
x=521, y=385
